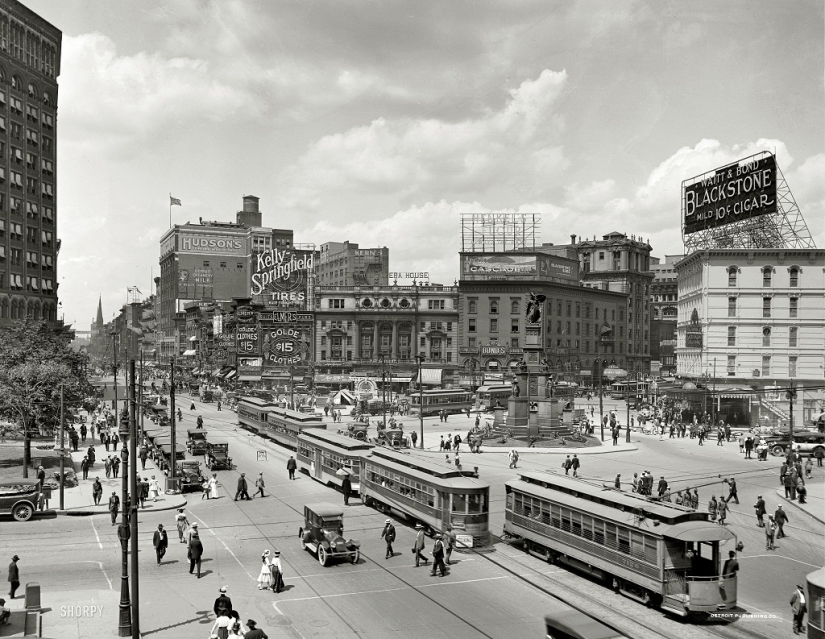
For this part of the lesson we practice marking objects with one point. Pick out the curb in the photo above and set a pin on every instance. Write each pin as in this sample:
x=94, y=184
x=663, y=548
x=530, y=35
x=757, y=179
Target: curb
x=594, y=450
x=780, y=492
x=81, y=512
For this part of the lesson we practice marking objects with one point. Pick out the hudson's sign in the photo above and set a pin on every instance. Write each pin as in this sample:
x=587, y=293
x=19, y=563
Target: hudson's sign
x=218, y=244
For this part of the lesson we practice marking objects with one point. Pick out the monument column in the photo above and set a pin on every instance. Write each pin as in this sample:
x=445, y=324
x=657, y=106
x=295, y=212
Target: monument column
x=357, y=338
x=394, y=347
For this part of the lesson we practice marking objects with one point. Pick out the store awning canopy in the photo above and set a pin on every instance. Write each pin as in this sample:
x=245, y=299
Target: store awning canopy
x=403, y=380
x=231, y=374
x=193, y=339
x=216, y=372
x=190, y=353
x=431, y=376
x=249, y=378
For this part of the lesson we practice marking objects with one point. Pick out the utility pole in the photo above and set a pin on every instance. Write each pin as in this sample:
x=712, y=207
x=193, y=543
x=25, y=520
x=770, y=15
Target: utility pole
x=172, y=424
x=420, y=359
x=133, y=516
x=599, y=375
x=384, y=389
x=114, y=367
x=627, y=435
x=123, y=534
x=791, y=396
x=140, y=403
x=62, y=451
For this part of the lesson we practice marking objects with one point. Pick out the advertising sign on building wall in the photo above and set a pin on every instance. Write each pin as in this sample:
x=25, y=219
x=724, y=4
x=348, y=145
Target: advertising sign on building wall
x=730, y=194
x=555, y=268
x=281, y=276
x=489, y=266
x=250, y=366
x=248, y=340
x=283, y=346
x=213, y=244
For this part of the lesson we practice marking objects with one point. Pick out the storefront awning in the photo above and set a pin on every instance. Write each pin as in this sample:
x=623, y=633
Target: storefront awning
x=216, y=372
x=231, y=374
x=431, y=376
x=403, y=380
x=193, y=339
x=190, y=353
x=249, y=378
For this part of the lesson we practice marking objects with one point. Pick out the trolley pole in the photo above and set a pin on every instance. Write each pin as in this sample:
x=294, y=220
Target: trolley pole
x=627, y=436
x=420, y=359
x=172, y=420
x=791, y=396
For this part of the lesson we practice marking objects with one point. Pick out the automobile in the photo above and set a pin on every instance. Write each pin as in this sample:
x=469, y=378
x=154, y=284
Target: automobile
x=196, y=443
x=323, y=534
x=217, y=457
x=19, y=498
x=392, y=438
x=571, y=623
x=810, y=442
x=191, y=477
x=356, y=430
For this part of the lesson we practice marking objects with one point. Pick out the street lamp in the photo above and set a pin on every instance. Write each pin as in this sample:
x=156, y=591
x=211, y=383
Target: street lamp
x=420, y=359
x=124, y=533
x=603, y=336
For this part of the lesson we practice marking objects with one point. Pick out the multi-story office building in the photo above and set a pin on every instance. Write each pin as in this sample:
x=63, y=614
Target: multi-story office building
x=755, y=317
x=29, y=67
x=494, y=291
x=345, y=264
x=664, y=295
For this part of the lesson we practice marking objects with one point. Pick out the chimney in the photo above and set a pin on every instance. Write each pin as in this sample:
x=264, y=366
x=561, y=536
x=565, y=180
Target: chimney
x=573, y=239
x=251, y=214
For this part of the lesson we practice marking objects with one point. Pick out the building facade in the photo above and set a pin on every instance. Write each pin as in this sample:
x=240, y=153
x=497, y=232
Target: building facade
x=755, y=317
x=345, y=264
x=664, y=295
x=29, y=66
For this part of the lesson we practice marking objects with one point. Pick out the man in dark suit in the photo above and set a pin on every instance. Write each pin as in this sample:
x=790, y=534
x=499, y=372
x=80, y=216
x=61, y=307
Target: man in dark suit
x=114, y=506
x=14, y=576
x=346, y=488
x=291, y=465
x=160, y=541
x=438, y=557
x=242, y=488
x=388, y=534
x=195, y=553
x=254, y=633
x=223, y=604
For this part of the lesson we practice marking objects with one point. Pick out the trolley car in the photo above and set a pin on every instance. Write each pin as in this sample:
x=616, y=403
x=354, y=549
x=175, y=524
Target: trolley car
x=816, y=609
x=436, y=495
x=658, y=553
x=490, y=396
x=454, y=400
x=252, y=412
x=284, y=426
x=322, y=454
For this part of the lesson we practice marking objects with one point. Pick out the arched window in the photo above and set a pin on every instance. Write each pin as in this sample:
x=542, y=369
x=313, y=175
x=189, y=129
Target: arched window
x=493, y=306
x=767, y=272
x=514, y=307
x=794, y=276
x=47, y=98
x=766, y=336
x=471, y=306
x=4, y=309
x=33, y=92
x=732, y=272
x=16, y=82
x=2, y=74
x=14, y=309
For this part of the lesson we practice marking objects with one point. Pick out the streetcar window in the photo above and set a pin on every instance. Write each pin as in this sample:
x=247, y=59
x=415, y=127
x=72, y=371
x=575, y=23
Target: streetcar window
x=610, y=535
x=577, y=524
x=598, y=532
x=509, y=504
x=565, y=520
x=624, y=540
x=554, y=516
x=587, y=527
x=637, y=543
x=474, y=503
x=651, y=553
x=459, y=503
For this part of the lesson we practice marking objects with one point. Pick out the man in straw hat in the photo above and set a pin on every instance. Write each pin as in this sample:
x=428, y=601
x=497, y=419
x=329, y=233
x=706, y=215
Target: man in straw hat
x=438, y=556
x=419, y=546
x=388, y=535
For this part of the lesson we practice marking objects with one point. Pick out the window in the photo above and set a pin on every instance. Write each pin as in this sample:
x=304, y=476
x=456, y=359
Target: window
x=16, y=231
x=31, y=161
x=766, y=307
x=493, y=325
x=471, y=325
x=793, y=309
x=493, y=306
x=336, y=303
x=579, y=311
x=17, y=179
x=731, y=307
x=239, y=265
x=47, y=144
x=601, y=255
x=792, y=335
x=732, y=271
x=48, y=191
x=471, y=306
x=731, y=365
x=471, y=342
x=223, y=264
x=794, y=272
x=31, y=185
x=15, y=130
x=423, y=341
x=514, y=342
x=514, y=307
x=792, y=366
x=435, y=304
x=731, y=336
x=767, y=271
x=206, y=264
x=766, y=365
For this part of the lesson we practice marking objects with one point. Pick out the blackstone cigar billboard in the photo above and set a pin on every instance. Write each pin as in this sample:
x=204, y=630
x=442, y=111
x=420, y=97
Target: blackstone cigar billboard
x=281, y=277
x=730, y=194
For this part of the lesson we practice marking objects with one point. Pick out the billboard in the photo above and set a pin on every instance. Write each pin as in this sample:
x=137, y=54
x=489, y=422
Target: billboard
x=282, y=276
x=214, y=244
x=248, y=340
x=283, y=346
x=250, y=366
x=730, y=194
x=483, y=266
x=552, y=267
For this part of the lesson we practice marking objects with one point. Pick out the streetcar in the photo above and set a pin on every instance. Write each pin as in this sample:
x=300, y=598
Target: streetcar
x=323, y=455
x=816, y=598
x=659, y=553
x=452, y=400
x=493, y=395
x=252, y=412
x=283, y=426
x=434, y=494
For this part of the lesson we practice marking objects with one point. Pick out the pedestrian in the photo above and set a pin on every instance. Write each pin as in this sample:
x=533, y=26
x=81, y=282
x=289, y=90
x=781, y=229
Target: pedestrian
x=799, y=606
x=722, y=509
x=277, y=572
x=291, y=465
x=182, y=524
x=789, y=486
x=192, y=532
x=438, y=556
x=14, y=576
x=760, y=511
x=635, y=482
x=259, y=486
x=615, y=434
x=223, y=604
x=731, y=566
x=720, y=437
x=662, y=486
x=195, y=552
x=160, y=540
x=5, y=613
x=115, y=466
x=809, y=466
x=618, y=483
x=242, y=488
x=801, y=492
x=114, y=506
x=742, y=443
x=456, y=442
x=695, y=499
x=679, y=501
x=144, y=453
x=574, y=464
x=254, y=632
x=713, y=507
x=84, y=467
x=154, y=489
x=413, y=438
x=449, y=543
x=457, y=460
x=142, y=491
x=781, y=518
x=97, y=491
x=701, y=435
x=513, y=455
x=192, y=406
x=219, y=406
x=265, y=576
x=441, y=444
x=748, y=447
x=388, y=535
x=346, y=488
x=419, y=545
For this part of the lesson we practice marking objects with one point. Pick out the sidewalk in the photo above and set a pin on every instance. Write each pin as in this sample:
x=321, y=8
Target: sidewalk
x=815, y=501
x=78, y=501
x=606, y=447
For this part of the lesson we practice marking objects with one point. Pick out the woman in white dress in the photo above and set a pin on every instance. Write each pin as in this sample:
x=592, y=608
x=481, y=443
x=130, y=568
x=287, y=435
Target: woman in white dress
x=154, y=489
x=265, y=576
x=221, y=627
x=182, y=523
x=213, y=486
x=237, y=630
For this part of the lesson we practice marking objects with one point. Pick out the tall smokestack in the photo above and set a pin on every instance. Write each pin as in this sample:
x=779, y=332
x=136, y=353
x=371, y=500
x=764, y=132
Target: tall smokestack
x=573, y=239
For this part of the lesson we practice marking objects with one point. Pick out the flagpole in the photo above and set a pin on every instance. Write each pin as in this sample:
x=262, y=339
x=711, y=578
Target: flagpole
x=170, y=209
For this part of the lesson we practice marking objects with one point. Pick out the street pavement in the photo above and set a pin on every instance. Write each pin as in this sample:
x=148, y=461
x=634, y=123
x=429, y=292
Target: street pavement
x=503, y=593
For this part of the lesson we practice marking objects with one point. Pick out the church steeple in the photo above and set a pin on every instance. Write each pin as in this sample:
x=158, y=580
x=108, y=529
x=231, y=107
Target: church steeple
x=99, y=320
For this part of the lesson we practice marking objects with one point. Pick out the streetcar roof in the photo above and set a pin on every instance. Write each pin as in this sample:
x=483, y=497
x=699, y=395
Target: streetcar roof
x=494, y=387
x=697, y=531
x=817, y=578
x=574, y=491
x=296, y=415
x=425, y=470
x=257, y=401
x=319, y=435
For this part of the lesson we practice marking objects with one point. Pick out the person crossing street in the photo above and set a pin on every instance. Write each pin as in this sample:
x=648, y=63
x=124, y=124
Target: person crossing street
x=388, y=535
x=419, y=546
x=242, y=488
x=160, y=540
x=438, y=557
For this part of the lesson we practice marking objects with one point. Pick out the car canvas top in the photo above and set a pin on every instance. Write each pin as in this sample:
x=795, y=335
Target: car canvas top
x=325, y=509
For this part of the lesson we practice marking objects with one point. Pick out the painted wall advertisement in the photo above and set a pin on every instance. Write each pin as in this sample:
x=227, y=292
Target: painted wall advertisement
x=250, y=366
x=215, y=244
x=248, y=339
x=281, y=276
x=488, y=266
x=284, y=346
x=555, y=268
x=730, y=194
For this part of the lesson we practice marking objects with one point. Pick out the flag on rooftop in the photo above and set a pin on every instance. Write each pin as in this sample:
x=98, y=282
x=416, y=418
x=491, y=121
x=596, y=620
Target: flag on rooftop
x=173, y=201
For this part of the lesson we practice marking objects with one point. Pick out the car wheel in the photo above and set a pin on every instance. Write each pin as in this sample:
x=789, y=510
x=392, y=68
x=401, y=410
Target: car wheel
x=777, y=451
x=23, y=512
x=354, y=558
x=322, y=556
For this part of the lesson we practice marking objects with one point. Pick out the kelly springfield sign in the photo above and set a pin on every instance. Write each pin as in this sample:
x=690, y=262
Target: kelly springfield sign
x=735, y=192
x=282, y=276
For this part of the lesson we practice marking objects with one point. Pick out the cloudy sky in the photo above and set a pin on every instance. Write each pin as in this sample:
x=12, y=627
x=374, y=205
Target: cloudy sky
x=381, y=122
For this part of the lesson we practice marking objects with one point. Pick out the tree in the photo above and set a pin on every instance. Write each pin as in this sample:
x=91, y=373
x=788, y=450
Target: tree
x=35, y=363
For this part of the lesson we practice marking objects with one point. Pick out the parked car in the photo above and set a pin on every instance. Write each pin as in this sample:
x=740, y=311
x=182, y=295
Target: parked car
x=323, y=534
x=191, y=477
x=19, y=497
x=392, y=438
x=196, y=443
x=809, y=442
x=217, y=457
